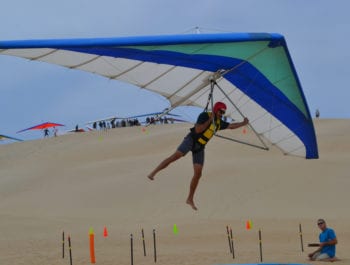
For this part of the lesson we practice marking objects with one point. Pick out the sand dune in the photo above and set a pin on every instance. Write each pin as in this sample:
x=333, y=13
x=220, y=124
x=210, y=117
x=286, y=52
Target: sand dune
x=96, y=179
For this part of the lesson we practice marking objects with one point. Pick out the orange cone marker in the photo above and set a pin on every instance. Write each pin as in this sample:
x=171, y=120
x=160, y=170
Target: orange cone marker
x=249, y=225
x=105, y=232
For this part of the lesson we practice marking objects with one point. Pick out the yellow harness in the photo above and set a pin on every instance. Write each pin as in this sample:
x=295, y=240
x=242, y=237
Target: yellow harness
x=205, y=136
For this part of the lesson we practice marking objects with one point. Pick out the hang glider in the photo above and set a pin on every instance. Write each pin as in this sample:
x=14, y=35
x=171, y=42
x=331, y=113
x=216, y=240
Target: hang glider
x=161, y=116
x=108, y=119
x=5, y=137
x=42, y=126
x=79, y=130
x=252, y=73
x=153, y=114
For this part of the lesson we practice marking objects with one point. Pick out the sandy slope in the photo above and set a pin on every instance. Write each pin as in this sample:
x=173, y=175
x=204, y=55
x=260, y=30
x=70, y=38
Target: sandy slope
x=98, y=179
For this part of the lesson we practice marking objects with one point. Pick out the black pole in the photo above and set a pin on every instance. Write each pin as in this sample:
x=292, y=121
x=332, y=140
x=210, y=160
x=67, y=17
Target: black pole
x=131, y=250
x=154, y=244
x=228, y=238
x=260, y=244
x=301, y=238
x=63, y=245
x=70, y=251
x=233, y=250
x=143, y=242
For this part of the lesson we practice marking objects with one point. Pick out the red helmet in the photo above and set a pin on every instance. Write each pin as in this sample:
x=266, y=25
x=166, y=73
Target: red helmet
x=218, y=106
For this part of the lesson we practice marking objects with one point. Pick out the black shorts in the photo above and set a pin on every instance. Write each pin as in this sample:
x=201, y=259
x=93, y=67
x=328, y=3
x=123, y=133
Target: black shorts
x=187, y=145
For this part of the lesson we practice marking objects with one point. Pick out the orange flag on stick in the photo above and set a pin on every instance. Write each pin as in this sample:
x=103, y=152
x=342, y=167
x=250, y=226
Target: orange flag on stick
x=92, y=245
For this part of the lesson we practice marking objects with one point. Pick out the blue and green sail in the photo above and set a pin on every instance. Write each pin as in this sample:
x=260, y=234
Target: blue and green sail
x=259, y=64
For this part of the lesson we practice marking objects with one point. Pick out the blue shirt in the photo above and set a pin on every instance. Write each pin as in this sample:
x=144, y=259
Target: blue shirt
x=327, y=235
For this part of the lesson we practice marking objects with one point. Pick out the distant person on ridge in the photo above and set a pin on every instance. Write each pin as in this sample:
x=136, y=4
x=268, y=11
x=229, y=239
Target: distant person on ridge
x=328, y=240
x=46, y=132
x=317, y=114
x=204, y=129
x=55, y=131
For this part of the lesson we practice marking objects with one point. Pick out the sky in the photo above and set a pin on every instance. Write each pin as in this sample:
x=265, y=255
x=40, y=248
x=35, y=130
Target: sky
x=316, y=31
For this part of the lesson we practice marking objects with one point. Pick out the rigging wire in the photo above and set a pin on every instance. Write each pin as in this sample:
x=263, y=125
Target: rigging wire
x=237, y=109
x=213, y=83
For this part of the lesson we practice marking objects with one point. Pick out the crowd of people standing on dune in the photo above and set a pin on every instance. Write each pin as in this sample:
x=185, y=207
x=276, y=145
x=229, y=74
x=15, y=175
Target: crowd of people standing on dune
x=114, y=123
x=104, y=125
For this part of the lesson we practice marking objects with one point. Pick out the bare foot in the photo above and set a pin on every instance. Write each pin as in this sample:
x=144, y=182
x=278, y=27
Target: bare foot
x=191, y=203
x=151, y=176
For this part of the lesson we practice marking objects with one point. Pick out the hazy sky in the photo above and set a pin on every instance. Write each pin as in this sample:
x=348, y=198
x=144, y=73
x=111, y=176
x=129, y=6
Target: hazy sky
x=317, y=34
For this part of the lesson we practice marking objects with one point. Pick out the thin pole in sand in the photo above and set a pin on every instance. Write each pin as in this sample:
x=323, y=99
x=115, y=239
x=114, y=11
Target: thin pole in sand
x=92, y=245
x=131, y=250
x=62, y=244
x=70, y=251
x=233, y=250
x=228, y=238
x=143, y=242
x=260, y=246
x=154, y=245
x=301, y=238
